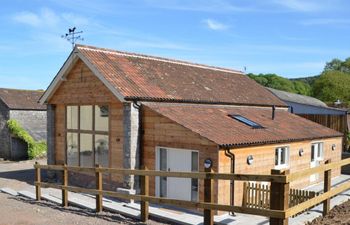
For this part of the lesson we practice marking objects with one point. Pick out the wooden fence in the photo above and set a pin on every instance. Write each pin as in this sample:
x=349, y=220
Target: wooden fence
x=279, y=210
x=257, y=195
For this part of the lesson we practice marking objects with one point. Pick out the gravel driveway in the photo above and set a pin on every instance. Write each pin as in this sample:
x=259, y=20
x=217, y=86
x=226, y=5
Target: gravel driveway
x=18, y=210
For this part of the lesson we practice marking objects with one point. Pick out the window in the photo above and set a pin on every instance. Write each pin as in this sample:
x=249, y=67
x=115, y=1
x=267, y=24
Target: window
x=317, y=152
x=246, y=121
x=281, y=157
x=87, y=135
x=194, y=182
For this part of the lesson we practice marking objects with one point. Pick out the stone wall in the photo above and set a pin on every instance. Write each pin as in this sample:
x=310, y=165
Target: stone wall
x=32, y=121
x=131, y=144
x=4, y=134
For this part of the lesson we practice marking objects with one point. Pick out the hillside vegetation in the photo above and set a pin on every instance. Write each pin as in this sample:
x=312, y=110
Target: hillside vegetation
x=332, y=84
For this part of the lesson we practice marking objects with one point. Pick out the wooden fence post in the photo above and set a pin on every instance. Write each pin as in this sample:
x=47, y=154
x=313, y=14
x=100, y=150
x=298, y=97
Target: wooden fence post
x=326, y=188
x=244, y=199
x=65, y=184
x=98, y=176
x=208, y=197
x=37, y=180
x=279, y=197
x=145, y=192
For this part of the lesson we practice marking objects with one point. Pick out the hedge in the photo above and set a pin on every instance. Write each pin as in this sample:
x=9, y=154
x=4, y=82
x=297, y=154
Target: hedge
x=36, y=149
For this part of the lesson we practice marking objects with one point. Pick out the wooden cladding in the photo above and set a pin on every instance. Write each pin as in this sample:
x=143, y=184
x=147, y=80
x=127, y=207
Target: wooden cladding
x=335, y=122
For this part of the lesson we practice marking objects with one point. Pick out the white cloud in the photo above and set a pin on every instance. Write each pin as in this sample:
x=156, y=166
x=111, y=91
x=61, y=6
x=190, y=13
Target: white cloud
x=215, y=6
x=215, y=25
x=326, y=21
x=75, y=19
x=28, y=18
x=302, y=5
x=45, y=17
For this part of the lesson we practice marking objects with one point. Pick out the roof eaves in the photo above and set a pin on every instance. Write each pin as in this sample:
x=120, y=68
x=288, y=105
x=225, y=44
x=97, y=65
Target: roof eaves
x=152, y=99
x=72, y=58
x=248, y=144
x=323, y=107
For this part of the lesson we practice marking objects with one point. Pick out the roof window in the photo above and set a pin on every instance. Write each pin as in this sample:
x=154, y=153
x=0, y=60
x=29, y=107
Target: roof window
x=246, y=121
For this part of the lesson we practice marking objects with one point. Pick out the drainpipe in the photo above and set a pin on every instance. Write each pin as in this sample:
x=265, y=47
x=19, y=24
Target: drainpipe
x=229, y=154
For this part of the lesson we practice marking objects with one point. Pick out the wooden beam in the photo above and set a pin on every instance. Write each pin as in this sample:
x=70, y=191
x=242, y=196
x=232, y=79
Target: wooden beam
x=195, y=175
x=65, y=184
x=144, y=192
x=99, y=188
x=318, y=169
x=208, y=197
x=326, y=188
x=279, y=198
x=176, y=202
x=317, y=200
x=37, y=182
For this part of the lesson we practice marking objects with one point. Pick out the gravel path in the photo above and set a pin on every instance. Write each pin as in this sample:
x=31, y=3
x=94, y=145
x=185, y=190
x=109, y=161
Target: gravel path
x=339, y=215
x=19, y=210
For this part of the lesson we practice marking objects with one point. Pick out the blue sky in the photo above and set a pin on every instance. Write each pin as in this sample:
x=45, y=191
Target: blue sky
x=293, y=38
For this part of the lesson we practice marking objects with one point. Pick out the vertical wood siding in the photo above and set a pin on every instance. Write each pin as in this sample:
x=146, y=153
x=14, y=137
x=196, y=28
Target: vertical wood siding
x=161, y=131
x=83, y=87
x=264, y=161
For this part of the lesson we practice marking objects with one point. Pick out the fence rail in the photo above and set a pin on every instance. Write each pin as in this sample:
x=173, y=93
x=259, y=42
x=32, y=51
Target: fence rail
x=282, y=200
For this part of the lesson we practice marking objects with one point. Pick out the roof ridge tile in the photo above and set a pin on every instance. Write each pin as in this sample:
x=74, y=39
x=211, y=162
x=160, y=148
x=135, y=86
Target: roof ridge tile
x=156, y=58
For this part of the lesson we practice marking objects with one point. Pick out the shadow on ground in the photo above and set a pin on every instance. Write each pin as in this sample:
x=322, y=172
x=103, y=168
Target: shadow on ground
x=26, y=175
x=108, y=216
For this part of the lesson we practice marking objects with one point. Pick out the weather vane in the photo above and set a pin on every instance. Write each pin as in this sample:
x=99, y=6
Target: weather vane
x=72, y=37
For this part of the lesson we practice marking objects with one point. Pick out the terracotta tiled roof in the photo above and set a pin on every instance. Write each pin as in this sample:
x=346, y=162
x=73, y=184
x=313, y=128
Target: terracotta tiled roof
x=213, y=123
x=21, y=99
x=155, y=78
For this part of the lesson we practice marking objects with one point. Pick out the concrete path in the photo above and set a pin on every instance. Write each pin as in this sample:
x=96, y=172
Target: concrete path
x=180, y=217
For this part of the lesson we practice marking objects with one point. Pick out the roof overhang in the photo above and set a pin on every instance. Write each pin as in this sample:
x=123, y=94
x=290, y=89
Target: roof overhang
x=66, y=68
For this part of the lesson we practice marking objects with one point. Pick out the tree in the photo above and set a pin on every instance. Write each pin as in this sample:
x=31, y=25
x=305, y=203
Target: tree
x=338, y=65
x=281, y=83
x=331, y=86
x=302, y=88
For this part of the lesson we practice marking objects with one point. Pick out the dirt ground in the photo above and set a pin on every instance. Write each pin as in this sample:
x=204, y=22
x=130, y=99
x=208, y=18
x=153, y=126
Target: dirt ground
x=339, y=215
x=18, y=210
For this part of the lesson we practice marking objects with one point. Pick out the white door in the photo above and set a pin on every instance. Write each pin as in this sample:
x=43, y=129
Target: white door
x=174, y=160
x=179, y=161
x=316, y=156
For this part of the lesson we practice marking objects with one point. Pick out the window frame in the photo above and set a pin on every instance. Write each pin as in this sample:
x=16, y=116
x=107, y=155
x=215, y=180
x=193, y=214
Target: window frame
x=320, y=149
x=93, y=132
x=279, y=158
x=246, y=121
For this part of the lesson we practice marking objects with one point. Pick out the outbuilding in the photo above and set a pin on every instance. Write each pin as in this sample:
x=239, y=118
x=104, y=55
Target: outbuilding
x=22, y=106
x=127, y=110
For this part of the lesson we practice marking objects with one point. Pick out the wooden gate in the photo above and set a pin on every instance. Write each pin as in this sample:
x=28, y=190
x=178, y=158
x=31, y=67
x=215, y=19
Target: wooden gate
x=257, y=195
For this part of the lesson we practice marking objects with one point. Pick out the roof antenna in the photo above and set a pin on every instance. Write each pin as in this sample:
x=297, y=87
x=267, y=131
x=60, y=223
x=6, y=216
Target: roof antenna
x=71, y=36
x=245, y=69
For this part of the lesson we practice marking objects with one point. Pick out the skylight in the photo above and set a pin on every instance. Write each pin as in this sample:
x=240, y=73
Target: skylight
x=246, y=121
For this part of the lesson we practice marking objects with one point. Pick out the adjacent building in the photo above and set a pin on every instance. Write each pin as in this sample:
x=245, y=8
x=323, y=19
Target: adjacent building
x=23, y=106
x=315, y=110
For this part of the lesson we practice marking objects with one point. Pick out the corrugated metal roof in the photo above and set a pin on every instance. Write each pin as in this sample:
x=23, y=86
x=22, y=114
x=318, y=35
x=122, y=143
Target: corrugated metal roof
x=215, y=124
x=302, y=99
x=21, y=99
x=141, y=76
